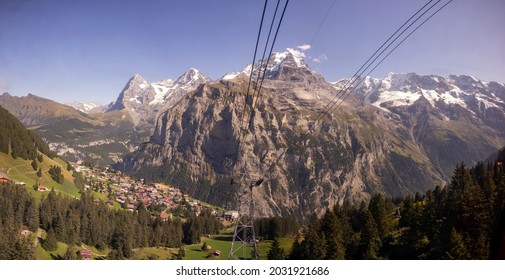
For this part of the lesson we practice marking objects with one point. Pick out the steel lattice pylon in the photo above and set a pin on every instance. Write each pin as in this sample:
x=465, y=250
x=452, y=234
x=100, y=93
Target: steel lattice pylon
x=243, y=245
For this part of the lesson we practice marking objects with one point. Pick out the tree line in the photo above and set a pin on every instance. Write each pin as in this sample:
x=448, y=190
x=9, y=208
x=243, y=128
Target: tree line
x=86, y=220
x=464, y=220
x=17, y=141
x=18, y=210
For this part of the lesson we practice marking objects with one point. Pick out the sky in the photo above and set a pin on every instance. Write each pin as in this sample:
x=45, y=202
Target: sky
x=87, y=50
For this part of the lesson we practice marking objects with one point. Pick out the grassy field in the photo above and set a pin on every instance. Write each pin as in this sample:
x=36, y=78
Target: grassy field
x=264, y=246
x=42, y=254
x=21, y=170
x=154, y=253
x=222, y=242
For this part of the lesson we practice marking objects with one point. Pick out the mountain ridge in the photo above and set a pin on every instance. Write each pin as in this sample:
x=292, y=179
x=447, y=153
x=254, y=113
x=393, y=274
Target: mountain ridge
x=143, y=101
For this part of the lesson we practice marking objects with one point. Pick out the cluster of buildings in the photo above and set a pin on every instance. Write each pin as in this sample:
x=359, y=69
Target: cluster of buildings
x=130, y=193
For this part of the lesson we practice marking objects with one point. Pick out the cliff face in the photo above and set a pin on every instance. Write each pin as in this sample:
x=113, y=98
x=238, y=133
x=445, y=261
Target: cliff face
x=307, y=165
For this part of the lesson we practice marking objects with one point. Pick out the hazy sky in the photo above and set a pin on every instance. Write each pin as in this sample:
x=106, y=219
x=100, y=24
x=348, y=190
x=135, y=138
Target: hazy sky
x=87, y=50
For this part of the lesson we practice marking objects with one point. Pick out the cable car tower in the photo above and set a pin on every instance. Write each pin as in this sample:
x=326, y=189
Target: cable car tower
x=243, y=245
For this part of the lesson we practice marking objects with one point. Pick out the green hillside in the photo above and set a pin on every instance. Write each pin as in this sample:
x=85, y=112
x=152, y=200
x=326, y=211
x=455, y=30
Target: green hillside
x=21, y=170
x=23, y=154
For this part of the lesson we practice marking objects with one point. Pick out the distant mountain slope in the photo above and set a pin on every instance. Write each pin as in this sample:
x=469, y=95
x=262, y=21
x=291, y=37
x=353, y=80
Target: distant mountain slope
x=451, y=119
x=34, y=111
x=88, y=107
x=74, y=134
x=17, y=141
x=23, y=154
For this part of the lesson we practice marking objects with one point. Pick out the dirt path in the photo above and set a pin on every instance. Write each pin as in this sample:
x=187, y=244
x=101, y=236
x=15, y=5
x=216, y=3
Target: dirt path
x=16, y=166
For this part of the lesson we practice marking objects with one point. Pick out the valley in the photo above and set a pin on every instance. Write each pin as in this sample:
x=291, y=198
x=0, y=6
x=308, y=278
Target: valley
x=153, y=169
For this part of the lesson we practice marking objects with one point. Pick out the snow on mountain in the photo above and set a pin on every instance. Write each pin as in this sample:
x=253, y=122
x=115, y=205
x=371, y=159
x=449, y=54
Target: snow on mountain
x=398, y=90
x=144, y=100
x=290, y=57
x=86, y=107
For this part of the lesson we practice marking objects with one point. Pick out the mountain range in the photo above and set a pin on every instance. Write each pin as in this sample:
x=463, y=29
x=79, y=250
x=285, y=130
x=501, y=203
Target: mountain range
x=388, y=137
x=398, y=135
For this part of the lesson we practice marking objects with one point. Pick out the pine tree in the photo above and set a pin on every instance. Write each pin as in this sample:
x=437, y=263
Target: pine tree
x=456, y=249
x=296, y=250
x=34, y=165
x=39, y=173
x=32, y=216
x=70, y=254
x=205, y=247
x=50, y=243
x=333, y=233
x=370, y=240
x=313, y=246
x=276, y=252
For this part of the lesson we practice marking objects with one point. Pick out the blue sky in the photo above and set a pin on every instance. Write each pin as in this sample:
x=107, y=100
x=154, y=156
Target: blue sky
x=87, y=50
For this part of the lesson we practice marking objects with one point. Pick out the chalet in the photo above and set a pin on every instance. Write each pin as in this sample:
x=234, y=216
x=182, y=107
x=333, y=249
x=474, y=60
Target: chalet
x=4, y=178
x=230, y=215
x=84, y=254
x=216, y=253
x=21, y=184
x=25, y=232
x=41, y=188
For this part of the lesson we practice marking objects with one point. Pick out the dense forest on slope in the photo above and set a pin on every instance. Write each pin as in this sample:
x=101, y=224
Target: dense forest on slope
x=17, y=210
x=85, y=221
x=16, y=140
x=465, y=220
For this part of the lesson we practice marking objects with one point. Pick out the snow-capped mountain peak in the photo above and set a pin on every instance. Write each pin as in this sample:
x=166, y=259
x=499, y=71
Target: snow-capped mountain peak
x=191, y=76
x=86, y=107
x=400, y=90
x=290, y=58
x=137, y=79
x=143, y=99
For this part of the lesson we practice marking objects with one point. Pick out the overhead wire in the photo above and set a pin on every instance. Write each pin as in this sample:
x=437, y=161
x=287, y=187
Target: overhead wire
x=258, y=92
x=349, y=83
x=253, y=62
x=390, y=52
x=322, y=22
x=244, y=109
x=266, y=44
x=244, y=126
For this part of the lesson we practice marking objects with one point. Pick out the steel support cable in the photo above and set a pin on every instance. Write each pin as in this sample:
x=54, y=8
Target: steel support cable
x=379, y=55
x=322, y=22
x=254, y=60
x=261, y=63
x=258, y=93
x=388, y=54
x=356, y=75
x=241, y=133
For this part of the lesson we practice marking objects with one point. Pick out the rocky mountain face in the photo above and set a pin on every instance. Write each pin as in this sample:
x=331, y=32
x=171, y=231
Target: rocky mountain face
x=451, y=119
x=307, y=165
x=143, y=101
